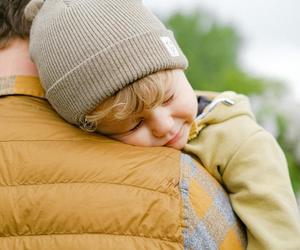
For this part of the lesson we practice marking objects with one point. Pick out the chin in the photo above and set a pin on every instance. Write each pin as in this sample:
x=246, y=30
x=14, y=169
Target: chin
x=179, y=147
x=179, y=144
x=182, y=141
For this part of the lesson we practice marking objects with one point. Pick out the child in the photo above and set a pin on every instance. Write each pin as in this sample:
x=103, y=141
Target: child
x=111, y=66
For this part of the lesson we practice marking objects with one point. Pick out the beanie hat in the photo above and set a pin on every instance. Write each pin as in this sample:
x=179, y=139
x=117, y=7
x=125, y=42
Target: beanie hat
x=87, y=50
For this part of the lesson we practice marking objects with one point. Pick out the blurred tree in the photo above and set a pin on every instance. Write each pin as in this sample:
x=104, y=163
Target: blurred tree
x=279, y=112
x=213, y=53
x=289, y=145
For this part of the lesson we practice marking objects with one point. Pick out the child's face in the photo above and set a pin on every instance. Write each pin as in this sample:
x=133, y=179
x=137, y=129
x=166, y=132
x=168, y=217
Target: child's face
x=165, y=125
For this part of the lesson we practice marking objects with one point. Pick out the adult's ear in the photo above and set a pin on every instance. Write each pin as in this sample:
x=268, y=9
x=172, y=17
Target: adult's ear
x=32, y=9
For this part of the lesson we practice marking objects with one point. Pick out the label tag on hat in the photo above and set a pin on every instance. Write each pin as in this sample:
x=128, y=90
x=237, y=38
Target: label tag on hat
x=170, y=46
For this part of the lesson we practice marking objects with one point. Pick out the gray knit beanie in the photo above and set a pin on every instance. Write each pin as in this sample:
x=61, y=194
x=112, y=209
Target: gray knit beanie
x=87, y=50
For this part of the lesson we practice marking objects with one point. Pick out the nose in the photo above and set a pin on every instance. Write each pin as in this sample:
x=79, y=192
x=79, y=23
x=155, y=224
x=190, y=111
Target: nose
x=162, y=122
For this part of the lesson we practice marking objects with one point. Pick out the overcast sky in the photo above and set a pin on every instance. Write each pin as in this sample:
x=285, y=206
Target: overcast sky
x=270, y=31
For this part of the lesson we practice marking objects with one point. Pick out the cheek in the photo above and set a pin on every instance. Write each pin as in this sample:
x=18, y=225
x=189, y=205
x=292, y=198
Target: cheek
x=189, y=105
x=193, y=102
x=139, y=138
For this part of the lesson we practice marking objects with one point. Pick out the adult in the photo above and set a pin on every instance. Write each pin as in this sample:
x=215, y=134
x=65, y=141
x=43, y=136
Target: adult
x=62, y=188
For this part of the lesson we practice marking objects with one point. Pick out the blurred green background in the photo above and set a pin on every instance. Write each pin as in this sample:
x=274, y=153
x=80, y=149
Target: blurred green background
x=213, y=52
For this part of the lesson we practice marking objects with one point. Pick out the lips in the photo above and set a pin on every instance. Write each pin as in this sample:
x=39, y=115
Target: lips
x=175, y=138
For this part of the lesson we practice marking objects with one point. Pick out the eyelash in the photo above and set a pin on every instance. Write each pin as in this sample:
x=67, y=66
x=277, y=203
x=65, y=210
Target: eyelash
x=137, y=126
x=169, y=99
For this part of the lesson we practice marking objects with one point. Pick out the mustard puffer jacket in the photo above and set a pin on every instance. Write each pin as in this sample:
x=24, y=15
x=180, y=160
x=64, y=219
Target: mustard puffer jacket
x=62, y=189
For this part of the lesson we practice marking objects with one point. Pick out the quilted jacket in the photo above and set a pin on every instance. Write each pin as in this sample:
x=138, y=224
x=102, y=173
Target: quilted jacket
x=61, y=188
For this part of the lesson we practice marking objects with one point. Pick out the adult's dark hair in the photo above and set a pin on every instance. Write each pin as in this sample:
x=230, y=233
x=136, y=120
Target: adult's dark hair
x=12, y=21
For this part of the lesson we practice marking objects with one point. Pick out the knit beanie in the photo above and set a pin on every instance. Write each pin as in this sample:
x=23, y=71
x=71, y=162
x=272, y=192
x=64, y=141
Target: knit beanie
x=88, y=50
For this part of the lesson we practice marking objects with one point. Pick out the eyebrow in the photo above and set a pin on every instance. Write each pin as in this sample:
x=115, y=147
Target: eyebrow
x=169, y=91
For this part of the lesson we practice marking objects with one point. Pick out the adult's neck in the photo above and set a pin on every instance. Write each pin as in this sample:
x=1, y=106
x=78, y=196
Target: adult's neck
x=15, y=59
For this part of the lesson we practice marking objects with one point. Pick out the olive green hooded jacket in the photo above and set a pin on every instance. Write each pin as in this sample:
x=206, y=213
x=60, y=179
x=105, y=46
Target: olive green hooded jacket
x=247, y=160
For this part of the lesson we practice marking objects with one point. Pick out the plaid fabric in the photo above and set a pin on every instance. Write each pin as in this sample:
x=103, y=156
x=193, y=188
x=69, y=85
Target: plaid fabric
x=209, y=220
x=21, y=85
x=7, y=85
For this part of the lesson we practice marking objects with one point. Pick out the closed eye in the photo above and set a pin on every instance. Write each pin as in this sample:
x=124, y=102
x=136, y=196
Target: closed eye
x=136, y=126
x=169, y=99
x=127, y=132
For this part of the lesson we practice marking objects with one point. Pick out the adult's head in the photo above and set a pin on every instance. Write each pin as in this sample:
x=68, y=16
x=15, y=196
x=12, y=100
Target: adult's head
x=14, y=43
x=13, y=23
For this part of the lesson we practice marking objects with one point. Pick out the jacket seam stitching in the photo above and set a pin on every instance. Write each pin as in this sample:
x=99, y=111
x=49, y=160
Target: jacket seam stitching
x=175, y=158
x=71, y=183
x=60, y=234
x=66, y=140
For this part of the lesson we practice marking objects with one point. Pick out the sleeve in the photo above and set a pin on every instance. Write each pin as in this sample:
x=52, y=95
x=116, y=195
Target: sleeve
x=260, y=191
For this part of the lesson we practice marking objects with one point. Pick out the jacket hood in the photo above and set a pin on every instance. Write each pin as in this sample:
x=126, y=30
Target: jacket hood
x=224, y=106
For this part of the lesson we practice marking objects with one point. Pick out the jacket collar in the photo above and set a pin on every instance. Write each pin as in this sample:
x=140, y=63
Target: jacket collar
x=21, y=85
x=224, y=106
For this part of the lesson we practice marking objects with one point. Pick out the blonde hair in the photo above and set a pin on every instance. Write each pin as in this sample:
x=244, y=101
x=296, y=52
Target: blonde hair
x=148, y=92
